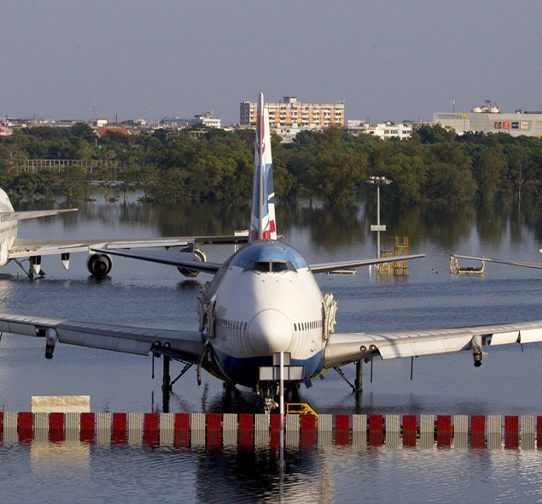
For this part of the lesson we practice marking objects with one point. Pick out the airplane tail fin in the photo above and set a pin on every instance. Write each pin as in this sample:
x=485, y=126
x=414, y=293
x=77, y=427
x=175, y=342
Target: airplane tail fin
x=262, y=225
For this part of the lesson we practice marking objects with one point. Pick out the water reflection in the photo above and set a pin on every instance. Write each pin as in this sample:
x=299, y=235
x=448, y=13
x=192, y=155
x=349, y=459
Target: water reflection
x=63, y=459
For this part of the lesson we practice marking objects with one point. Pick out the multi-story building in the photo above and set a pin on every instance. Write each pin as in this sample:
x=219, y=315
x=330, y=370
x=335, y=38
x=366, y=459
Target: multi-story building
x=489, y=119
x=291, y=112
x=390, y=129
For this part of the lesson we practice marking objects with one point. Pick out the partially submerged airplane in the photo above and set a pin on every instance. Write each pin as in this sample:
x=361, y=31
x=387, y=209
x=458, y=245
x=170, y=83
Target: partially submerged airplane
x=98, y=264
x=263, y=300
x=503, y=261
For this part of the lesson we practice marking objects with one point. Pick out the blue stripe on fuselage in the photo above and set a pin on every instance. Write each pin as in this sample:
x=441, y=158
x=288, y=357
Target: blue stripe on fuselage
x=246, y=371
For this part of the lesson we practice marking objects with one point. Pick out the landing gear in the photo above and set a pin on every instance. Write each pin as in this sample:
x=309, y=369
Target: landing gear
x=167, y=383
x=34, y=267
x=269, y=392
x=359, y=381
x=357, y=388
x=269, y=404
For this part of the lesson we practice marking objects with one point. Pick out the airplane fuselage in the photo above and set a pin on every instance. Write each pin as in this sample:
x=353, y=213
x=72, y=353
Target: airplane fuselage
x=266, y=300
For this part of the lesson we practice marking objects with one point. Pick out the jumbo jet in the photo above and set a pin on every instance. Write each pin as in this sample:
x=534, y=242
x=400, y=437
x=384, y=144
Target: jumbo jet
x=264, y=300
x=99, y=265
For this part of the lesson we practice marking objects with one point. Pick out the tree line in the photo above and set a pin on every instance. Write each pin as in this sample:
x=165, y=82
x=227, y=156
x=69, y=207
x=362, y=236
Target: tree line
x=435, y=165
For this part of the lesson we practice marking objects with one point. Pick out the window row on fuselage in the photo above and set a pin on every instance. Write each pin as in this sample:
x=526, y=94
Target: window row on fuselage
x=234, y=325
x=305, y=326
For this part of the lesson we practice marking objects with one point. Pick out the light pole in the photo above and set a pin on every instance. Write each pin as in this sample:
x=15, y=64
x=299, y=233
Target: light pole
x=378, y=227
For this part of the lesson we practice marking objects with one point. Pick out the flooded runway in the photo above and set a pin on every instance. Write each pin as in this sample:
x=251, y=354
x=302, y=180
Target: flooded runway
x=157, y=296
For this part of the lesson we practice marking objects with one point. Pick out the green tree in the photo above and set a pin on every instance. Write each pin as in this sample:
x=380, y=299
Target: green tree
x=74, y=183
x=491, y=172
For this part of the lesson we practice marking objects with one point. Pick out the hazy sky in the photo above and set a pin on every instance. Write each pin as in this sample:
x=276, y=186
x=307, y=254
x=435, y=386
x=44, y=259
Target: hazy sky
x=387, y=59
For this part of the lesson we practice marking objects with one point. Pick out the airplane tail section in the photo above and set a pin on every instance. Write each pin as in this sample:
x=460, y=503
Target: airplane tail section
x=262, y=225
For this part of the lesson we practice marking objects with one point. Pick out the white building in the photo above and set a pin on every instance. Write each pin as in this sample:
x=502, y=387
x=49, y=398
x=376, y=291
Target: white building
x=389, y=130
x=207, y=119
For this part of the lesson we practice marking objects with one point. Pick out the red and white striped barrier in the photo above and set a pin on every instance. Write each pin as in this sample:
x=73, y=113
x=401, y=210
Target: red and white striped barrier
x=248, y=431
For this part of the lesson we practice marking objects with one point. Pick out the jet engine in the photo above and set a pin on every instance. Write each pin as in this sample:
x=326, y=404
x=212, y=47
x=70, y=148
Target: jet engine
x=476, y=349
x=51, y=339
x=199, y=255
x=99, y=265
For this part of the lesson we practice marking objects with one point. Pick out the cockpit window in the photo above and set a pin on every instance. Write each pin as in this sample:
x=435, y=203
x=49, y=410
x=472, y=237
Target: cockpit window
x=270, y=266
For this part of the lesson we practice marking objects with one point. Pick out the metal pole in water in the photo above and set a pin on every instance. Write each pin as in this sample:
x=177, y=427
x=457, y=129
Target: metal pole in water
x=281, y=463
x=166, y=387
x=378, y=218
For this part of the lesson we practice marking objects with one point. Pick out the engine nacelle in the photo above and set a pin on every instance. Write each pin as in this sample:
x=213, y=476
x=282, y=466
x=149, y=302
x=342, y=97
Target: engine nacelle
x=51, y=339
x=65, y=259
x=476, y=349
x=99, y=265
x=35, y=263
x=199, y=255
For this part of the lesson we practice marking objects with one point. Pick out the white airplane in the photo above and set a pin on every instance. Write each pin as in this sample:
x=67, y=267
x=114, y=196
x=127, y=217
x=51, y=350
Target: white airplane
x=263, y=300
x=502, y=261
x=99, y=265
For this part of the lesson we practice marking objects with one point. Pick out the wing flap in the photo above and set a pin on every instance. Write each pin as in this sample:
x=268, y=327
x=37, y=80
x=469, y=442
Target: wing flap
x=504, y=338
x=530, y=335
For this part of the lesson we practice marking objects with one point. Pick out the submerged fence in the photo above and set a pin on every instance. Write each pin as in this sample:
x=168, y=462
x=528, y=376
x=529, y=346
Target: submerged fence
x=249, y=431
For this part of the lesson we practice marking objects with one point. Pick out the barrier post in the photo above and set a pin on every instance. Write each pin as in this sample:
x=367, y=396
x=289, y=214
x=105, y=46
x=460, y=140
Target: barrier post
x=246, y=431
x=150, y=429
x=119, y=428
x=478, y=431
x=444, y=431
x=182, y=430
x=511, y=432
x=376, y=430
x=342, y=429
x=410, y=431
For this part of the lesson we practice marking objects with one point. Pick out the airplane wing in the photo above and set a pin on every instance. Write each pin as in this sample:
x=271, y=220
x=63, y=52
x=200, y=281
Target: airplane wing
x=345, y=348
x=212, y=268
x=185, y=345
x=500, y=261
x=326, y=267
x=31, y=214
x=29, y=248
x=203, y=267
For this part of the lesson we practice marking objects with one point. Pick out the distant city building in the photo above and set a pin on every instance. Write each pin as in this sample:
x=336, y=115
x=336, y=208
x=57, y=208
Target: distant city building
x=98, y=123
x=102, y=131
x=293, y=113
x=206, y=119
x=4, y=130
x=390, y=129
x=489, y=119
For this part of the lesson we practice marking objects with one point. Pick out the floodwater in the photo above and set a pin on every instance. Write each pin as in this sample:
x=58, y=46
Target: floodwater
x=152, y=295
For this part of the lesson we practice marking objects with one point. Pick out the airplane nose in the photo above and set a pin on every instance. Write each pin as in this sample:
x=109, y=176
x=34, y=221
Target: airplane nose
x=270, y=331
